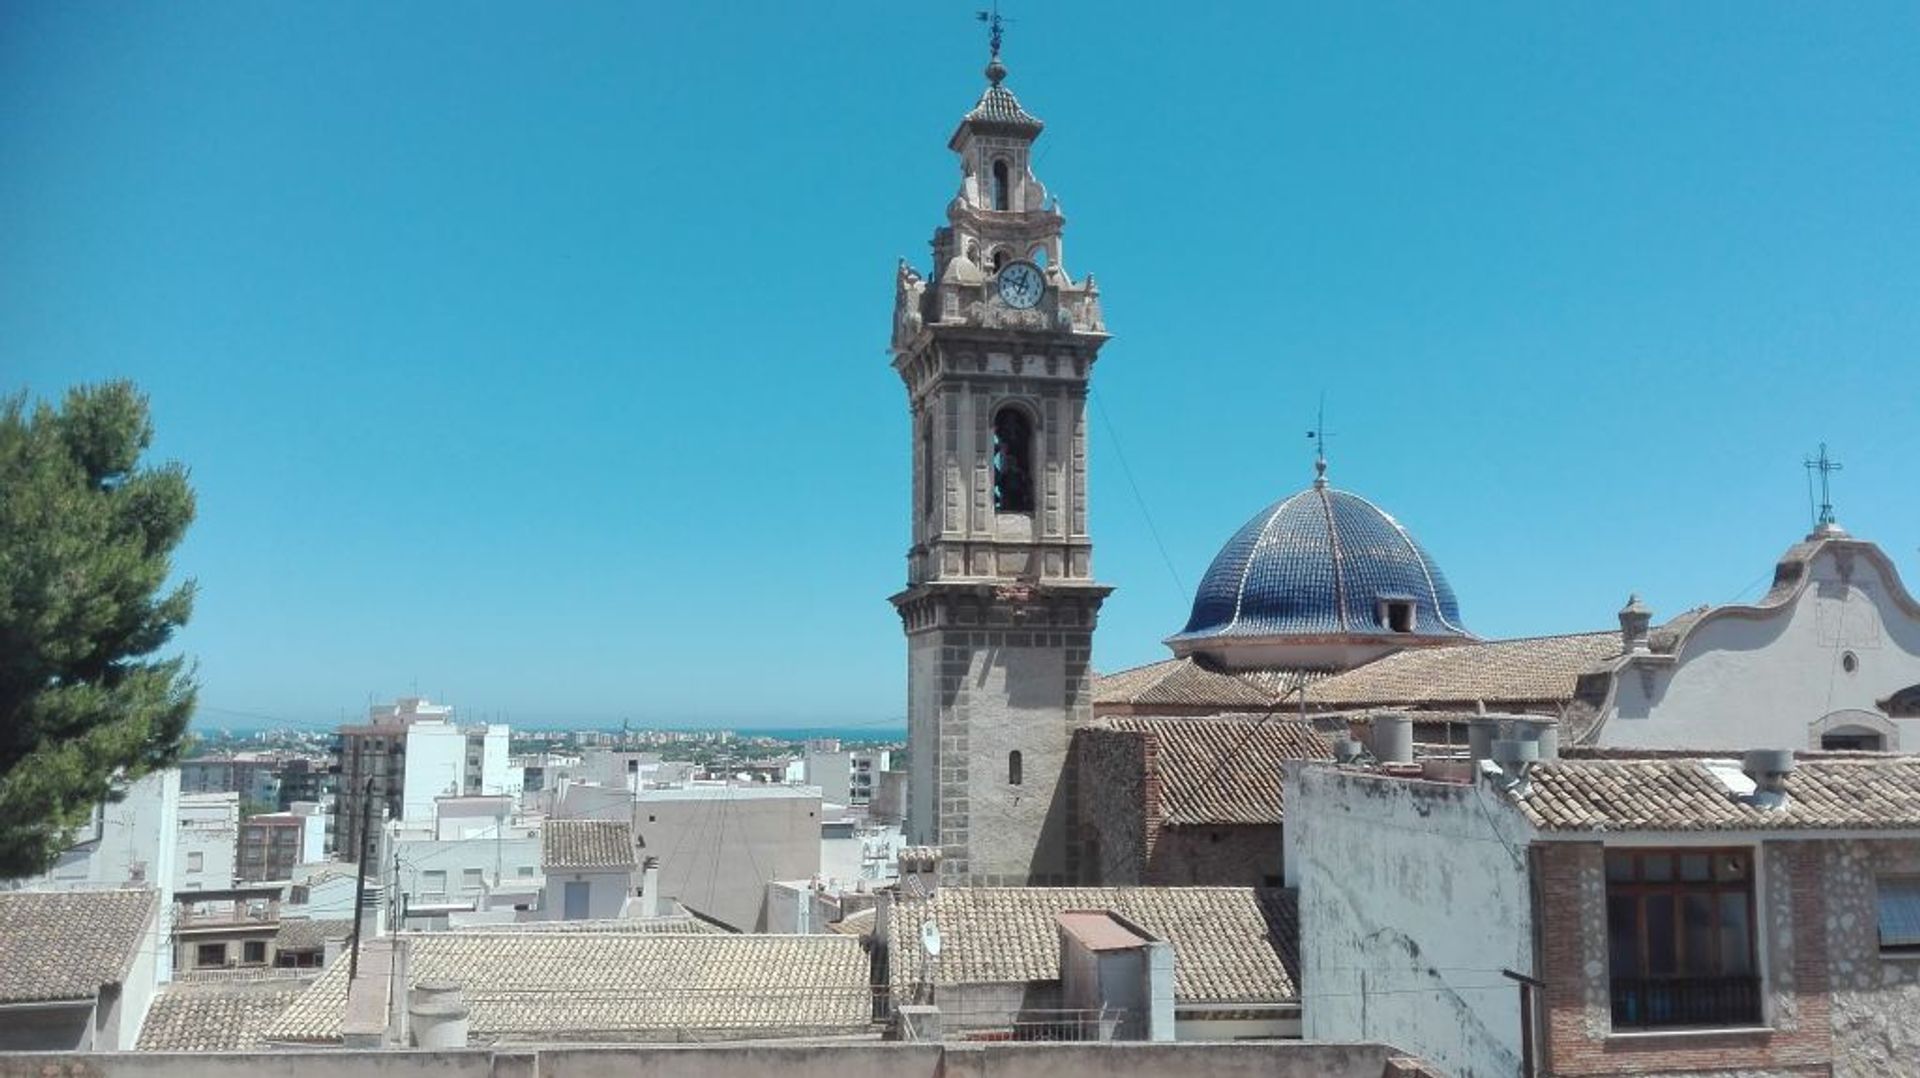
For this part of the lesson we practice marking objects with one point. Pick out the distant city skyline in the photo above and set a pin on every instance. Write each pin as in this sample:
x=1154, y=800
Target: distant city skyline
x=541, y=362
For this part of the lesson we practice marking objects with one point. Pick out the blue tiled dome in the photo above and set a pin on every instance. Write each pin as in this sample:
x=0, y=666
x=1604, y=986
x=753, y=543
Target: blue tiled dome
x=1322, y=562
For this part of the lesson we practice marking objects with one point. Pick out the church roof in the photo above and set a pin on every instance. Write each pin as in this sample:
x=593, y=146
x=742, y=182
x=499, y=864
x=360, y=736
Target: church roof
x=1536, y=669
x=1322, y=562
x=998, y=106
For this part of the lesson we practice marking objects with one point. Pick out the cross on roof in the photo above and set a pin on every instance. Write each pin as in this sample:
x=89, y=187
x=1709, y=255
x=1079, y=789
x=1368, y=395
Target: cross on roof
x=1826, y=466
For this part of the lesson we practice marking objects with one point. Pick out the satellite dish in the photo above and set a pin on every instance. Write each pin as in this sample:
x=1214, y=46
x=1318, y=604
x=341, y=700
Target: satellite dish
x=930, y=938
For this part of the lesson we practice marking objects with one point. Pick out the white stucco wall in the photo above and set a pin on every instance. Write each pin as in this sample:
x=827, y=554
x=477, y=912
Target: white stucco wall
x=1751, y=677
x=606, y=893
x=1411, y=904
x=436, y=767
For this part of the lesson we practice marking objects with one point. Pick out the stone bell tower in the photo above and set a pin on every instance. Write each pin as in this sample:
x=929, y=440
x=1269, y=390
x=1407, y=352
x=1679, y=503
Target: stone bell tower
x=996, y=348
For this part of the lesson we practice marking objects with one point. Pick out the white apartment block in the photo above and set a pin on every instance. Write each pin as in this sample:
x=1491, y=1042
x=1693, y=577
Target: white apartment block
x=207, y=842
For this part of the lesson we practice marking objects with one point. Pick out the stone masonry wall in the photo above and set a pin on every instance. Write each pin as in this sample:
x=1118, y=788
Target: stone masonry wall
x=1116, y=807
x=1876, y=998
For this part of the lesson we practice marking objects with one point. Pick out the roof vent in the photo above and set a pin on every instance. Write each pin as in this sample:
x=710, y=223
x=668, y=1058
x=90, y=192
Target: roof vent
x=1392, y=738
x=1515, y=758
x=1768, y=768
x=1346, y=750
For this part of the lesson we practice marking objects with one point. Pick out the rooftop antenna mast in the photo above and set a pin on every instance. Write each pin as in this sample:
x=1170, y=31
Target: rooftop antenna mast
x=1318, y=436
x=1826, y=466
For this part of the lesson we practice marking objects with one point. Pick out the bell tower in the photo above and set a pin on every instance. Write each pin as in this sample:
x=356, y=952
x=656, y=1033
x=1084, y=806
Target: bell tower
x=995, y=348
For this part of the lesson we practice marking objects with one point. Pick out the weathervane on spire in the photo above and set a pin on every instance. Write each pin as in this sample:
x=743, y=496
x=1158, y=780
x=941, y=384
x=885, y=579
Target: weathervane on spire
x=996, y=26
x=1318, y=436
x=1826, y=466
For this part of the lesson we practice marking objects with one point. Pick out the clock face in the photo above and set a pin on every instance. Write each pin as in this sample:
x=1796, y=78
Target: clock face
x=1021, y=285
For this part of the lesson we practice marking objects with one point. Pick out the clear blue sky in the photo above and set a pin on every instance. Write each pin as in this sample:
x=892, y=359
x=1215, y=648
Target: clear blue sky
x=536, y=355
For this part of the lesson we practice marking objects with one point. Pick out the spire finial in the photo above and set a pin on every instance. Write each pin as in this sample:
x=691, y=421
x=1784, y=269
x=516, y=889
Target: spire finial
x=1318, y=436
x=996, y=28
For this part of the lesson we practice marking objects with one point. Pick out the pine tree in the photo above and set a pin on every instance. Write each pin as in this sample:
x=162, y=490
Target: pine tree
x=86, y=535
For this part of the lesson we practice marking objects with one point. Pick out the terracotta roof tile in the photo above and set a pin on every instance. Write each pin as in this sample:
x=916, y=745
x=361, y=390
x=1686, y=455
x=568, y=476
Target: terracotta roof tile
x=219, y=1016
x=1230, y=944
x=66, y=944
x=586, y=844
x=1190, y=683
x=1541, y=668
x=530, y=987
x=1880, y=793
x=1224, y=770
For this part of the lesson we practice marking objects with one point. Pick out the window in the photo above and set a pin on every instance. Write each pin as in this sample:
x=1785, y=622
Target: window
x=210, y=955
x=1013, y=768
x=1012, y=461
x=524, y=870
x=196, y=861
x=1899, y=914
x=433, y=882
x=1852, y=740
x=1680, y=938
x=1001, y=188
x=1397, y=615
x=926, y=465
x=1849, y=662
x=472, y=879
x=254, y=952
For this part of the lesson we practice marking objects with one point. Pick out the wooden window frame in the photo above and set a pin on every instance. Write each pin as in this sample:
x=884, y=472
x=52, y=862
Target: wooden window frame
x=1639, y=888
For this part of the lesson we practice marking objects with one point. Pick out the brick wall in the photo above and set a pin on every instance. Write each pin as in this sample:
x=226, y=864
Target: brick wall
x=1578, y=1039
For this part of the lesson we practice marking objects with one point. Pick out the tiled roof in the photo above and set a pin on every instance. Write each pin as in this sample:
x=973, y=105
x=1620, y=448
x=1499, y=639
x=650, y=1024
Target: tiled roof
x=1230, y=944
x=527, y=987
x=1225, y=770
x=1541, y=668
x=307, y=934
x=1179, y=683
x=1322, y=561
x=1685, y=795
x=671, y=923
x=66, y=944
x=586, y=844
x=223, y=1016
x=998, y=106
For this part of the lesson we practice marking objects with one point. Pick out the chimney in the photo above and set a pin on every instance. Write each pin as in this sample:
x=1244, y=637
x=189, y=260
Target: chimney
x=1768, y=768
x=1516, y=757
x=1634, y=619
x=650, y=887
x=1392, y=738
x=919, y=870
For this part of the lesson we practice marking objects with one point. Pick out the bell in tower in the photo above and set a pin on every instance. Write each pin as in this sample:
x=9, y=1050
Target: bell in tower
x=995, y=345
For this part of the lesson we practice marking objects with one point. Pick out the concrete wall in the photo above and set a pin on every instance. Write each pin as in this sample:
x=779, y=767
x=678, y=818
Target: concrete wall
x=1269, y=1060
x=207, y=841
x=833, y=773
x=719, y=846
x=1411, y=904
x=1749, y=678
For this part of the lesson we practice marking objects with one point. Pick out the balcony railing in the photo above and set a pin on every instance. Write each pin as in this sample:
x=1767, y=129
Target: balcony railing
x=1671, y=1003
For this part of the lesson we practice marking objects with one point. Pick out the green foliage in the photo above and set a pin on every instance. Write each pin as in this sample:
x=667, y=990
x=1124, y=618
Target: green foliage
x=85, y=539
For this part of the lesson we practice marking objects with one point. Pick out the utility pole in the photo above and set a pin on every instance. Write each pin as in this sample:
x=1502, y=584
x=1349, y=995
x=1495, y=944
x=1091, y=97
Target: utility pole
x=360, y=880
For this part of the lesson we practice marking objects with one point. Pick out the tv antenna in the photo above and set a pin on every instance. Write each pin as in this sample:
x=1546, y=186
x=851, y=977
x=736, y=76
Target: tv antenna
x=1826, y=466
